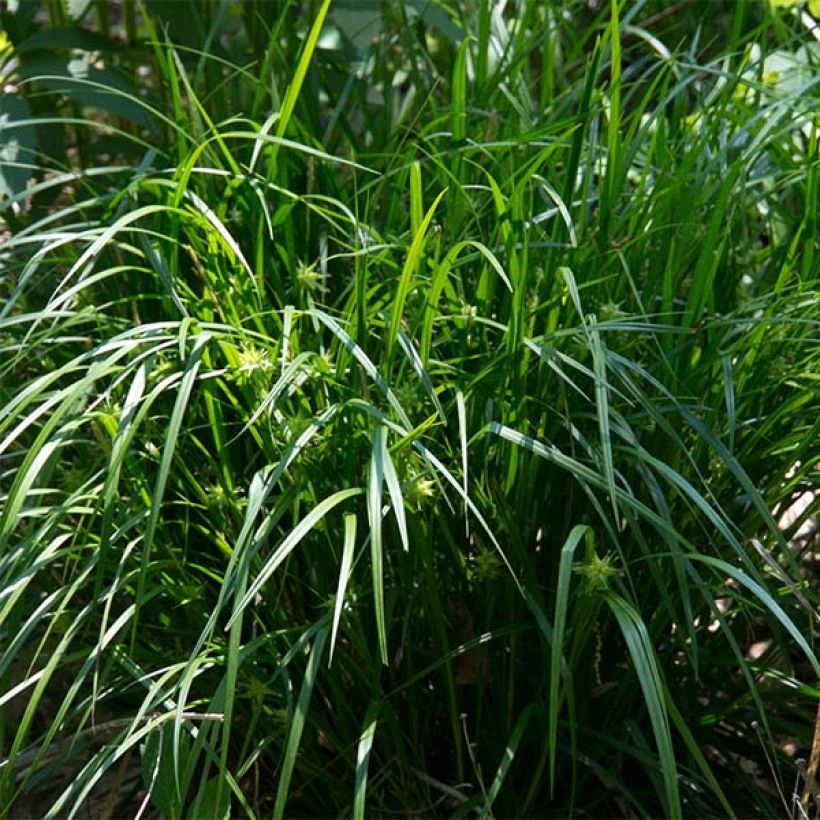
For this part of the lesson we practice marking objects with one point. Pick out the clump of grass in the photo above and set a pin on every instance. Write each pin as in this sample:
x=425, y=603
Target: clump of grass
x=407, y=439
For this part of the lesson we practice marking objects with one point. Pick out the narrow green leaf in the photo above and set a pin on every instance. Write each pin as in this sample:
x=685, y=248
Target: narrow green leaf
x=297, y=724
x=411, y=264
x=295, y=87
x=729, y=394
x=697, y=755
x=364, y=360
x=559, y=628
x=613, y=159
x=461, y=414
x=289, y=543
x=416, y=198
x=80, y=80
x=491, y=258
x=439, y=283
x=374, y=515
x=508, y=757
x=649, y=677
x=602, y=407
x=344, y=576
x=561, y=206
x=766, y=599
x=581, y=472
x=406, y=344
x=396, y=497
x=366, y=738
x=458, y=104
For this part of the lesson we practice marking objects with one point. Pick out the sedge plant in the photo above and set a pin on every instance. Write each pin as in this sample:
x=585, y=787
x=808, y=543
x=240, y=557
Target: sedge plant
x=398, y=405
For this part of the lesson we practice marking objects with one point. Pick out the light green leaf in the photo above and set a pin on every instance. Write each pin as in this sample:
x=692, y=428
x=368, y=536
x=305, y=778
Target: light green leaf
x=411, y=264
x=374, y=515
x=344, y=576
x=363, y=758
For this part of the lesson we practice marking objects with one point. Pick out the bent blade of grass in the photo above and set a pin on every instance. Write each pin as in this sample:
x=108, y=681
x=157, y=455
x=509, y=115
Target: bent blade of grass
x=43, y=610
x=364, y=360
x=88, y=255
x=406, y=344
x=264, y=131
x=46, y=445
x=266, y=480
x=561, y=206
x=439, y=283
x=344, y=576
x=293, y=145
x=720, y=522
x=94, y=369
x=649, y=677
x=720, y=449
x=366, y=738
x=291, y=378
x=582, y=473
x=396, y=497
x=461, y=649
x=193, y=97
x=224, y=234
x=298, y=722
x=491, y=258
x=236, y=577
x=572, y=286
x=129, y=739
x=746, y=482
x=559, y=627
x=133, y=412
x=549, y=355
x=784, y=577
x=90, y=662
x=440, y=468
x=290, y=542
x=766, y=599
x=157, y=260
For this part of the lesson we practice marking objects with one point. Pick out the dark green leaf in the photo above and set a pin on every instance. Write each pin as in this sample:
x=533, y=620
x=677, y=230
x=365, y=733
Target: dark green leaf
x=18, y=144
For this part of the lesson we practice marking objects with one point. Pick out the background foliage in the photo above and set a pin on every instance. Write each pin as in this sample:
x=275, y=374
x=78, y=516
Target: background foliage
x=399, y=404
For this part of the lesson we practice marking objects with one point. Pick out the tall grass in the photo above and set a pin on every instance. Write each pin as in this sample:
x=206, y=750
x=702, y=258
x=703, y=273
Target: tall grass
x=397, y=410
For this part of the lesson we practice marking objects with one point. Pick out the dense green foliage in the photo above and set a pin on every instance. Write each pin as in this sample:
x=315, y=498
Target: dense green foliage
x=397, y=405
